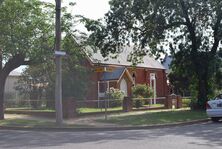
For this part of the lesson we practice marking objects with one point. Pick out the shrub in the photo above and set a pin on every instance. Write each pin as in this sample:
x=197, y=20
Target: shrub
x=140, y=92
x=186, y=102
x=117, y=95
x=138, y=102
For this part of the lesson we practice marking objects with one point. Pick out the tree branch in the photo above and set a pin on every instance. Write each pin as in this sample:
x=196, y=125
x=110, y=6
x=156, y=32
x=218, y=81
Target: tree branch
x=27, y=63
x=193, y=37
x=12, y=64
x=216, y=35
x=190, y=26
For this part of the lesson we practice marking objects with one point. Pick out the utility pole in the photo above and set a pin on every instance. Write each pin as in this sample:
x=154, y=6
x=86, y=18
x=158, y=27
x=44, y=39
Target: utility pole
x=58, y=61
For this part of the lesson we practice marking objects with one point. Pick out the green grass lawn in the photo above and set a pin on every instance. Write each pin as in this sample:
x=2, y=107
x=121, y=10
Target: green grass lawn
x=150, y=106
x=150, y=118
x=94, y=110
x=28, y=109
x=26, y=123
x=123, y=119
x=80, y=110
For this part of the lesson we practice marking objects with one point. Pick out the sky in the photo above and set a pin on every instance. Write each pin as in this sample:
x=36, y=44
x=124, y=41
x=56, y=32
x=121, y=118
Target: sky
x=93, y=9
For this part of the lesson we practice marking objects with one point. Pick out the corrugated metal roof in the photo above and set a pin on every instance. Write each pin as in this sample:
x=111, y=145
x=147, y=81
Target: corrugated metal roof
x=122, y=59
x=114, y=75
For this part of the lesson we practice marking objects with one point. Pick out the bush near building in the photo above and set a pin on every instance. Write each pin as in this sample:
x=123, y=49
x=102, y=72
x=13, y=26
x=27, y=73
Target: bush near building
x=140, y=92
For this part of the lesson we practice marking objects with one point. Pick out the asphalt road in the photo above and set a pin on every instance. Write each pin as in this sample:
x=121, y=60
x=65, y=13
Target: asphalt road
x=198, y=136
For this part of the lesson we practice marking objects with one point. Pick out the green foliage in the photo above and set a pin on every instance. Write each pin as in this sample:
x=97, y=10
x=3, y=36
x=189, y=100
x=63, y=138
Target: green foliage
x=26, y=36
x=34, y=84
x=116, y=95
x=186, y=102
x=179, y=82
x=76, y=76
x=140, y=92
x=139, y=102
x=27, y=29
x=1, y=1
x=39, y=79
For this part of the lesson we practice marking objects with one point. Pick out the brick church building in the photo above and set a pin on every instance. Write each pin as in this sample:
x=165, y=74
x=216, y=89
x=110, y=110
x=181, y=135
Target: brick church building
x=118, y=72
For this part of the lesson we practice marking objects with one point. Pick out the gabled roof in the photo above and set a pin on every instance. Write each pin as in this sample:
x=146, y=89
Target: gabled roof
x=122, y=59
x=116, y=75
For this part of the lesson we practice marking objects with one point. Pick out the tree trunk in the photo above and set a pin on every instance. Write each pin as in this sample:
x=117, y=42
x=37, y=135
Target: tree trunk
x=2, y=89
x=203, y=86
x=202, y=91
x=9, y=66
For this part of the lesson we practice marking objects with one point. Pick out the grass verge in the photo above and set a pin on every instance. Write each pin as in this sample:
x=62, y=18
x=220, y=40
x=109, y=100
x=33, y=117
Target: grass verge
x=152, y=118
x=25, y=123
x=28, y=110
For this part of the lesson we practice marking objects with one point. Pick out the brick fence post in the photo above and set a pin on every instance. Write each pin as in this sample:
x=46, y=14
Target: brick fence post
x=168, y=102
x=171, y=101
x=69, y=108
x=179, y=102
x=127, y=104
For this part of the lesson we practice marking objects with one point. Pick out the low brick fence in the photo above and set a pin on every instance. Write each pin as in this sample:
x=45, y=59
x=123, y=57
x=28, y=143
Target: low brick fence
x=173, y=102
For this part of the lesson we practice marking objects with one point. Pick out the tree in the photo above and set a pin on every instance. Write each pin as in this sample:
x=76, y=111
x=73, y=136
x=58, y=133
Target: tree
x=35, y=84
x=26, y=36
x=41, y=77
x=191, y=29
x=76, y=76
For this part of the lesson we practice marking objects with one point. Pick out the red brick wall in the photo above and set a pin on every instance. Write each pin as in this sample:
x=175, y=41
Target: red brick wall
x=143, y=77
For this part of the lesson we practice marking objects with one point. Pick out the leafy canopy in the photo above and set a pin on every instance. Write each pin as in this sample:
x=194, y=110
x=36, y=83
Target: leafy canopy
x=26, y=29
x=178, y=24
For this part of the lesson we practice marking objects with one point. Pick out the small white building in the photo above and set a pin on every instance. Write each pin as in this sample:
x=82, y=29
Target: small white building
x=12, y=79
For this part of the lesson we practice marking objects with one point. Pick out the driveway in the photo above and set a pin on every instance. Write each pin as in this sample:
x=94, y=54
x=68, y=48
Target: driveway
x=198, y=136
